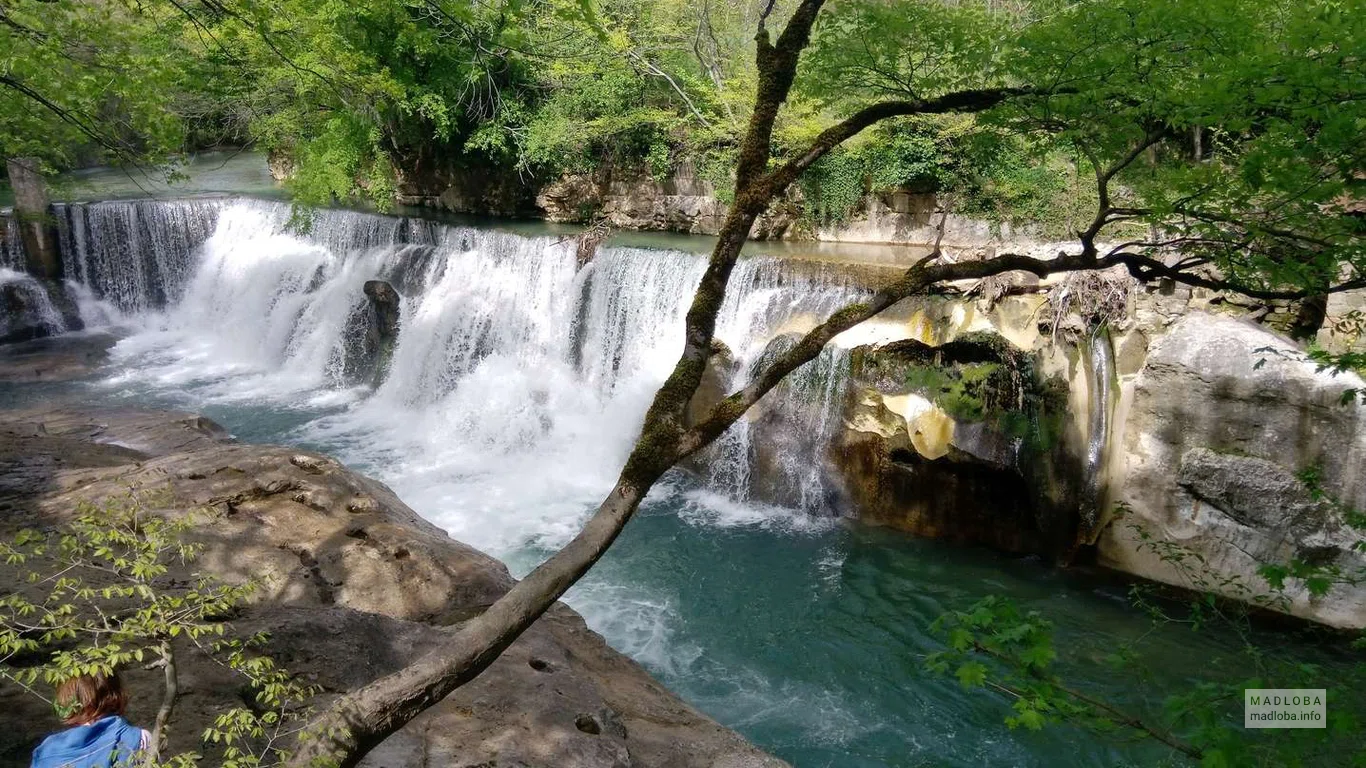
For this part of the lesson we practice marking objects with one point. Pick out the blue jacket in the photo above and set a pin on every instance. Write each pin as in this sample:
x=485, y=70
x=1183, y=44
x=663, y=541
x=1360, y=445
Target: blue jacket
x=104, y=743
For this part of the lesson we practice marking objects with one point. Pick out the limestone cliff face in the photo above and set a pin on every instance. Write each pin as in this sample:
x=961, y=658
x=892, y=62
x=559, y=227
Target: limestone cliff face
x=1220, y=428
x=683, y=201
x=1190, y=445
x=963, y=441
x=353, y=585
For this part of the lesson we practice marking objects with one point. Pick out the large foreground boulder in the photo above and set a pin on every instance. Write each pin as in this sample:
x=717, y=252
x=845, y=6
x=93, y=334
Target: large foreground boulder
x=1236, y=451
x=354, y=585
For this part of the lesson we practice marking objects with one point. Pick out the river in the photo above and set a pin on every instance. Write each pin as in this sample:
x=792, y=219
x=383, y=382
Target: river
x=515, y=391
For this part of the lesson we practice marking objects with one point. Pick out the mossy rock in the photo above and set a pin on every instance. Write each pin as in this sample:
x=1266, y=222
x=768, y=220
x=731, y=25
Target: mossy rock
x=974, y=378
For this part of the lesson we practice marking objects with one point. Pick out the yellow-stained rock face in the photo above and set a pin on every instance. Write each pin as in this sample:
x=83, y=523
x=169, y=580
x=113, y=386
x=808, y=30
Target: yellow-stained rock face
x=904, y=420
x=959, y=440
x=1017, y=319
x=929, y=428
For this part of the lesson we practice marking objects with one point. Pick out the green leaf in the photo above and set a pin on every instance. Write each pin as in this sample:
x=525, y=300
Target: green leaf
x=971, y=674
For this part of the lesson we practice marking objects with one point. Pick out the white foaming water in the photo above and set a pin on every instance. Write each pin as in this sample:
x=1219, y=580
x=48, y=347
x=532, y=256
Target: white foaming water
x=11, y=247
x=31, y=308
x=134, y=255
x=517, y=382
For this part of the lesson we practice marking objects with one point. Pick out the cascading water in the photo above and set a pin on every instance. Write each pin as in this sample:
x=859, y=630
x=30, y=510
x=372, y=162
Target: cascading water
x=506, y=347
x=135, y=255
x=26, y=309
x=1100, y=380
x=11, y=246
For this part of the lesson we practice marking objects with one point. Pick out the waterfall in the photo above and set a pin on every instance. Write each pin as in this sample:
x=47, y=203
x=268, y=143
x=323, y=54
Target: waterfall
x=26, y=309
x=1100, y=379
x=135, y=255
x=509, y=356
x=11, y=246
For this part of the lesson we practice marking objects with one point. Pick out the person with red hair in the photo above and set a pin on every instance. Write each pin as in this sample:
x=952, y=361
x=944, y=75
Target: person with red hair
x=99, y=737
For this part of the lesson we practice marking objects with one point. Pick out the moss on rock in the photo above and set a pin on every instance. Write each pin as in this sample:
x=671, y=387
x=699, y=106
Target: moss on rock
x=1010, y=445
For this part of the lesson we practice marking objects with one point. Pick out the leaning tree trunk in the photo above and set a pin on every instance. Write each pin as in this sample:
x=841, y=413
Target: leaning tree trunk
x=358, y=721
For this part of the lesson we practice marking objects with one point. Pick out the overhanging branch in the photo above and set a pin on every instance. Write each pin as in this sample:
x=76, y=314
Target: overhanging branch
x=959, y=101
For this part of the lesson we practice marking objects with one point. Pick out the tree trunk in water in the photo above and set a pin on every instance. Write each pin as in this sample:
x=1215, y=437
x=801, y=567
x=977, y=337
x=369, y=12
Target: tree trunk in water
x=34, y=219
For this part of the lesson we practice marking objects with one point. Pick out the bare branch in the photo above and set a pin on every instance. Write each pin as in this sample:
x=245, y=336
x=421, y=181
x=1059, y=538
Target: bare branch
x=653, y=69
x=1146, y=268
x=1103, y=177
x=168, y=701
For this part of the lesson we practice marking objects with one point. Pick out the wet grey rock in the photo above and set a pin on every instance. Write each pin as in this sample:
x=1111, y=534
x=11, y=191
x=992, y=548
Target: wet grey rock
x=370, y=335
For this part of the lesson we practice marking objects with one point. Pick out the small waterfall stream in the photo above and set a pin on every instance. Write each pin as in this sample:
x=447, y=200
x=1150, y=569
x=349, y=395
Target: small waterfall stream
x=11, y=248
x=1100, y=377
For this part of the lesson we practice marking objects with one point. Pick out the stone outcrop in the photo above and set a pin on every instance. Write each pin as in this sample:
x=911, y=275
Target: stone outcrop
x=37, y=228
x=906, y=218
x=963, y=441
x=1162, y=403
x=683, y=201
x=32, y=308
x=353, y=585
x=1219, y=430
x=55, y=359
x=633, y=199
x=481, y=191
x=371, y=332
x=282, y=165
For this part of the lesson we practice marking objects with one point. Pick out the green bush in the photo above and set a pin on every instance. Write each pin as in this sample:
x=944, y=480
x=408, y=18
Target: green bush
x=98, y=595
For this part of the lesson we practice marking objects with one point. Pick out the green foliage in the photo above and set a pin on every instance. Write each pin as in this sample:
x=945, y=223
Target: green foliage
x=965, y=392
x=999, y=646
x=833, y=187
x=1226, y=126
x=976, y=169
x=1012, y=653
x=995, y=644
x=860, y=50
x=85, y=81
x=99, y=595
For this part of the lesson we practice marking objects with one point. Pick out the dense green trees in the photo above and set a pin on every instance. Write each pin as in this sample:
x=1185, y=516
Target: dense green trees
x=1122, y=88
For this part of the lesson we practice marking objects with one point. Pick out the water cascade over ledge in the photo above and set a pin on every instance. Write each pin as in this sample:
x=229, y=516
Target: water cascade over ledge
x=508, y=353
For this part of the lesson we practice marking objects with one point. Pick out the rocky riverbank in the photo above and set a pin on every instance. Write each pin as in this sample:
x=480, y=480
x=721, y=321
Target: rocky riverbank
x=354, y=585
